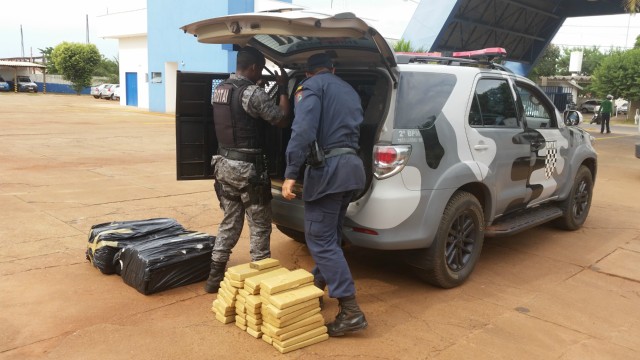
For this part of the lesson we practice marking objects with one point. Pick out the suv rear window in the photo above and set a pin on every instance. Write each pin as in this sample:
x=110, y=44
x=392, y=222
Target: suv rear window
x=421, y=97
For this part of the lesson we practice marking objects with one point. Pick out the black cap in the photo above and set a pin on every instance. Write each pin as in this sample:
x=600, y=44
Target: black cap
x=319, y=60
x=248, y=56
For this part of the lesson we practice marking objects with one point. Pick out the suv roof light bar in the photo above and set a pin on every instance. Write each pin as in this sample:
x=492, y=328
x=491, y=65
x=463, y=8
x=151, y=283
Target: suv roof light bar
x=489, y=54
x=483, y=57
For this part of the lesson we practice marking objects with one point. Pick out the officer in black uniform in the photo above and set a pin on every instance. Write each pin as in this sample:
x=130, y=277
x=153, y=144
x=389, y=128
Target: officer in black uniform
x=325, y=133
x=241, y=112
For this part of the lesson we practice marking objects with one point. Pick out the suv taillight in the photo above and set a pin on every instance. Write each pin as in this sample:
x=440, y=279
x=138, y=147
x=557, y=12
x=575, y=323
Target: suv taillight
x=389, y=160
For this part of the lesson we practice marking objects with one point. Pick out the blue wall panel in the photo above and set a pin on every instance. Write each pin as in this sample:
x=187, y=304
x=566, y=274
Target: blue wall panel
x=55, y=88
x=167, y=43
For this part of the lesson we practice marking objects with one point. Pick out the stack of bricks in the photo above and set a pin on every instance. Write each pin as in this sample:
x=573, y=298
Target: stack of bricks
x=270, y=302
x=225, y=305
x=248, y=302
x=291, y=316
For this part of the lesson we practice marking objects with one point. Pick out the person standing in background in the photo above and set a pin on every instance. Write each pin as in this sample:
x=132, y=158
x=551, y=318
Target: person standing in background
x=606, y=108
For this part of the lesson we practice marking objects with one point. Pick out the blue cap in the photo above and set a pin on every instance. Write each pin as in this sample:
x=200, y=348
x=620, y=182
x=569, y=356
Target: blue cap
x=319, y=60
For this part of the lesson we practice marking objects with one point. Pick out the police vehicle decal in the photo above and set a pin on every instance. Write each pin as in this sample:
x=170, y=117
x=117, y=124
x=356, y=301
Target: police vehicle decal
x=433, y=150
x=545, y=163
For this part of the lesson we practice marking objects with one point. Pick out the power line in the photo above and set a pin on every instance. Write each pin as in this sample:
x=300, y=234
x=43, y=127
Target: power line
x=601, y=26
x=590, y=46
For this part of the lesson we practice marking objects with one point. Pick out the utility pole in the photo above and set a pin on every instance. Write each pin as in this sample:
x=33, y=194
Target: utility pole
x=87, y=17
x=21, y=40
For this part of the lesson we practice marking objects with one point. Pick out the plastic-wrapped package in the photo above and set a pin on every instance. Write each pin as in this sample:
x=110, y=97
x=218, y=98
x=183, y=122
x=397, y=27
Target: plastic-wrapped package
x=107, y=239
x=167, y=262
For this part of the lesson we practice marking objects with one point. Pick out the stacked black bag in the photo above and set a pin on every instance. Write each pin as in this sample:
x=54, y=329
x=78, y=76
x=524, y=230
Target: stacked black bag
x=151, y=255
x=107, y=239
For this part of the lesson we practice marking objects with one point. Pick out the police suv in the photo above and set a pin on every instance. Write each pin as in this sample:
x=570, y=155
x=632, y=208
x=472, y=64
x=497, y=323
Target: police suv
x=455, y=149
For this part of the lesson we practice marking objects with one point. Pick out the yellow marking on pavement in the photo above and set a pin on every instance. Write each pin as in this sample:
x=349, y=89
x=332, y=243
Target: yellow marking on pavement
x=606, y=137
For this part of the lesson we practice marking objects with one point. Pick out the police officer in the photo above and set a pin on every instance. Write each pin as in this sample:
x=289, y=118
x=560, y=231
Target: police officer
x=241, y=111
x=326, y=125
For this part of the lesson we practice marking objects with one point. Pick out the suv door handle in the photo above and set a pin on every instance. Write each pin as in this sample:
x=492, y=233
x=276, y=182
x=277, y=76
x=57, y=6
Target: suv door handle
x=537, y=145
x=481, y=147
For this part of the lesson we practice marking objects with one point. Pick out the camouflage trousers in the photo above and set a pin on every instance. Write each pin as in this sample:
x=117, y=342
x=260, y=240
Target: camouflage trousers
x=233, y=180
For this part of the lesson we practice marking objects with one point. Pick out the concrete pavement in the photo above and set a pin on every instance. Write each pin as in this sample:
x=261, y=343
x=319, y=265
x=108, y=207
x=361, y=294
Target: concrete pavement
x=68, y=162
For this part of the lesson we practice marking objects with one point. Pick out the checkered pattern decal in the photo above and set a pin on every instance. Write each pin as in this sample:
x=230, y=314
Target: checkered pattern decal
x=551, y=159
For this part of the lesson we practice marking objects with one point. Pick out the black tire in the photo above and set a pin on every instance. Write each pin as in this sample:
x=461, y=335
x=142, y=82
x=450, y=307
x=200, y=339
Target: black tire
x=457, y=245
x=576, y=206
x=294, y=234
x=95, y=96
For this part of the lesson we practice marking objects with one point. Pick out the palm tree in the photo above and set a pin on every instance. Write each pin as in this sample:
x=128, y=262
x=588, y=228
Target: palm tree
x=631, y=6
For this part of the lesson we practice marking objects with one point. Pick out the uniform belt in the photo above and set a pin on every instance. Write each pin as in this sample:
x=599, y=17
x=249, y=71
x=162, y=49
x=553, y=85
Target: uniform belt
x=239, y=155
x=338, y=151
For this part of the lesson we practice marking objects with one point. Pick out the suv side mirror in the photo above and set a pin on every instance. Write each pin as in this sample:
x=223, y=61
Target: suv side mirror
x=572, y=117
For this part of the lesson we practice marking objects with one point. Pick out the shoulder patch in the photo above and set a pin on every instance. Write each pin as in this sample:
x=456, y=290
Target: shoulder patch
x=222, y=94
x=298, y=94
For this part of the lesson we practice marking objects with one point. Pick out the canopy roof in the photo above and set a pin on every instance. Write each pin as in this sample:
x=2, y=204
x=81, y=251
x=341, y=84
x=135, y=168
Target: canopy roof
x=21, y=64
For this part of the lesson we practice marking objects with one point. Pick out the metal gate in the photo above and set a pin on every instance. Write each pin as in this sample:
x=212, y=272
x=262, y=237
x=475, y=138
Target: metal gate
x=561, y=96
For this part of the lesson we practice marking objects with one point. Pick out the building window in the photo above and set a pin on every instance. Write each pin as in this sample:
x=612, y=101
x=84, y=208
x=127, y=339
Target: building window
x=156, y=77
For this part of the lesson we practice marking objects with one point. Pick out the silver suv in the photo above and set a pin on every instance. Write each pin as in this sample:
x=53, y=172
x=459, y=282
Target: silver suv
x=590, y=106
x=454, y=149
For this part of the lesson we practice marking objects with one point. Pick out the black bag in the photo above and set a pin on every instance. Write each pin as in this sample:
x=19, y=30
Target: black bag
x=167, y=262
x=107, y=239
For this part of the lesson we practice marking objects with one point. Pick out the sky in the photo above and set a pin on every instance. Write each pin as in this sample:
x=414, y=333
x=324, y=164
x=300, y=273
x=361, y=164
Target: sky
x=48, y=23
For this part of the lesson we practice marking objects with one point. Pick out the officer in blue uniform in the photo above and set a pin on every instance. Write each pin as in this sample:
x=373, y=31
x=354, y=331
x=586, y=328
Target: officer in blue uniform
x=328, y=115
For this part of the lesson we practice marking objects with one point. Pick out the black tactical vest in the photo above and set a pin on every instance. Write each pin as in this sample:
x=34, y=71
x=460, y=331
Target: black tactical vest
x=234, y=127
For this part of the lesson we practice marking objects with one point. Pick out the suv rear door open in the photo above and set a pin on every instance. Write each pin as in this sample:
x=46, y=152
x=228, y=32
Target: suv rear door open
x=289, y=38
x=195, y=134
x=348, y=40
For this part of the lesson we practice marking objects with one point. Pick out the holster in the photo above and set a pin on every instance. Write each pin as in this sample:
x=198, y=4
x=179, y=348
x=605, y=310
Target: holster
x=220, y=193
x=315, y=159
x=259, y=188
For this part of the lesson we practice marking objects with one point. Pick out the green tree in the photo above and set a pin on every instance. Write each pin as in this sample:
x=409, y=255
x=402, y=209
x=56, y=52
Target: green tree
x=632, y=6
x=51, y=67
x=405, y=46
x=636, y=45
x=76, y=62
x=591, y=58
x=546, y=66
x=618, y=75
x=109, y=69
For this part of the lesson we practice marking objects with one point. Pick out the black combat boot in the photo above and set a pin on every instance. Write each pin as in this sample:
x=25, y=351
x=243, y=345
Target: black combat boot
x=349, y=319
x=215, y=277
x=320, y=284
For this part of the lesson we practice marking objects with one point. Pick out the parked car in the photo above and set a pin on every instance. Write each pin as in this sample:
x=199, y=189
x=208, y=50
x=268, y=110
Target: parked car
x=4, y=86
x=116, y=92
x=24, y=84
x=107, y=91
x=97, y=89
x=590, y=106
x=454, y=149
x=624, y=108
